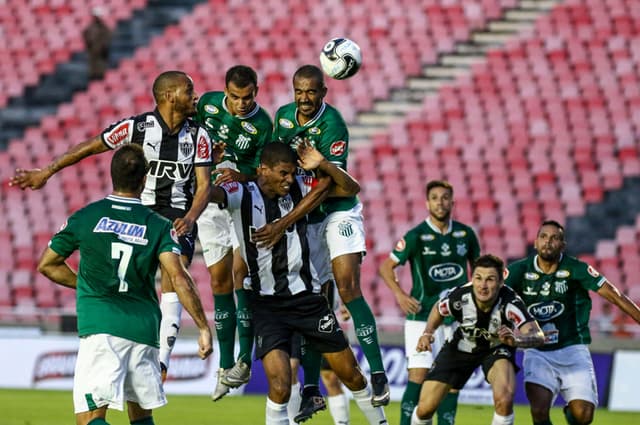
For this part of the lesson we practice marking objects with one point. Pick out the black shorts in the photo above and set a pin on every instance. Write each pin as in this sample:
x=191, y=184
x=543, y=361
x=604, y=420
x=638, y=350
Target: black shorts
x=454, y=367
x=188, y=241
x=276, y=319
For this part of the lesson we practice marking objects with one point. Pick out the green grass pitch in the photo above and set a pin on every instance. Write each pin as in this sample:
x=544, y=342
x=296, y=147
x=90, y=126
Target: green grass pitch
x=36, y=407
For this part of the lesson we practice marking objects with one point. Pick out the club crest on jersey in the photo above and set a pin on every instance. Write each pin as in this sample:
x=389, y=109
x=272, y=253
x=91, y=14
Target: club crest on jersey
x=443, y=308
x=345, y=229
x=203, y=148
x=249, y=128
x=285, y=203
x=285, y=123
x=315, y=131
x=211, y=109
x=128, y=232
x=338, y=148
x=326, y=324
x=186, y=148
x=560, y=286
x=593, y=272
x=119, y=134
x=461, y=249
x=401, y=245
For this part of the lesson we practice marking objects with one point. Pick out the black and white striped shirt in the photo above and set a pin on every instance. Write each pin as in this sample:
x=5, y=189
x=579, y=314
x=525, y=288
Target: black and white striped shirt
x=172, y=157
x=285, y=269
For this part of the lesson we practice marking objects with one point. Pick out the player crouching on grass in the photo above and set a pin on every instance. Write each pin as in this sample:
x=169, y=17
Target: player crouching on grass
x=284, y=298
x=493, y=321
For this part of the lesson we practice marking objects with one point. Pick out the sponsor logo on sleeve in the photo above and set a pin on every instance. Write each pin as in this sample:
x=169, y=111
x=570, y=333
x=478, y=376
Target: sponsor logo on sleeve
x=119, y=134
x=443, y=307
x=285, y=123
x=142, y=126
x=401, y=245
x=174, y=235
x=593, y=272
x=514, y=315
x=211, y=109
x=203, y=148
x=231, y=187
x=338, y=148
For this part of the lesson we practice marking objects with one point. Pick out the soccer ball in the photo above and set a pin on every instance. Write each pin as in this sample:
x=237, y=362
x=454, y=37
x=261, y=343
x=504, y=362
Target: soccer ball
x=341, y=58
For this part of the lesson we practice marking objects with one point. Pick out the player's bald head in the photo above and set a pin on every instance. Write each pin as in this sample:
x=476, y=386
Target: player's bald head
x=167, y=81
x=310, y=72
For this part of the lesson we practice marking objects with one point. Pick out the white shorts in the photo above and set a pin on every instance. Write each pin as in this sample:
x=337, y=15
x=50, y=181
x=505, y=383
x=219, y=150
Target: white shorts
x=344, y=232
x=413, y=329
x=568, y=371
x=318, y=252
x=216, y=234
x=111, y=370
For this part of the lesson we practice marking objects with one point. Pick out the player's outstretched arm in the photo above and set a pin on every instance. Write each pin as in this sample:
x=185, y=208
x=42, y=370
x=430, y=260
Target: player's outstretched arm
x=53, y=266
x=407, y=303
x=37, y=177
x=189, y=298
x=311, y=159
x=611, y=293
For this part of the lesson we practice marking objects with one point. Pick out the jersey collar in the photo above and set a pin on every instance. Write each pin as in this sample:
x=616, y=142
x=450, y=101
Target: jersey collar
x=538, y=269
x=251, y=113
x=313, y=120
x=124, y=200
x=436, y=229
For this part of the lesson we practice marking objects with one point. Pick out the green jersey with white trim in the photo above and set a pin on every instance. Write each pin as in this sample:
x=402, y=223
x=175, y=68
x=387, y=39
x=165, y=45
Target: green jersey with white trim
x=245, y=136
x=559, y=301
x=438, y=261
x=328, y=133
x=120, y=241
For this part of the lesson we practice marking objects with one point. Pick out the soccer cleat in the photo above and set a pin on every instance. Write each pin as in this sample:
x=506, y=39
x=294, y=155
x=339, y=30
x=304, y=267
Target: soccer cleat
x=239, y=374
x=221, y=388
x=311, y=402
x=163, y=372
x=381, y=394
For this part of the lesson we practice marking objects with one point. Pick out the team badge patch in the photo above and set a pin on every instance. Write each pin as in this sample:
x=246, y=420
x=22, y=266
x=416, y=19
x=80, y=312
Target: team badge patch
x=203, y=148
x=174, y=235
x=338, y=148
x=345, y=229
x=231, y=187
x=443, y=308
x=401, y=245
x=285, y=123
x=514, y=315
x=326, y=324
x=593, y=272
x=211, y=109
x=461, y=249
x=186, y=149
x=315, y=130
x=563, y=274
x=249, y=128
x=142, y=126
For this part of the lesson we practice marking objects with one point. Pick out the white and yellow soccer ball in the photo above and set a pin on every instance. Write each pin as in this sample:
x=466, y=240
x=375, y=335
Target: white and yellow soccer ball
x=340, y=58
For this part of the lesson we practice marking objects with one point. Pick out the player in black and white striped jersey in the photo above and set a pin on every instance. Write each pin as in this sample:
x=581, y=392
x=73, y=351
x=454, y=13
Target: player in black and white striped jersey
x=283, y=297
x=177, y=186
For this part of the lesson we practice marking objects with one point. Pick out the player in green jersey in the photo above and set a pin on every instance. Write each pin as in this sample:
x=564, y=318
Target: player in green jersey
x=235, y=118
x=121, y=243
x=336, y=230
x=555, y=288
x=439, y=250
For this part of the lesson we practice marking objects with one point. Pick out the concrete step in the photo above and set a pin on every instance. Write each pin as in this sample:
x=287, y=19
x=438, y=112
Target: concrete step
x=538, y=4
x=415, y=95
x=493, y=38
x=427, y=84
x=395, y=107
x=458, y=60
x=509, y=26
x=527, y=15
x=362, y=133
x=377, y=119
x=449, y=72
x=470, y=49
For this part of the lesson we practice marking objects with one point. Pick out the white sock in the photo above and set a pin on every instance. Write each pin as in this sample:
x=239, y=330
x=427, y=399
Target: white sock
x=339, y=408
x=276, y=414
x=169, y=325
x=375, y=415
x=415, y=420
x=502, y=420
x=293, y=407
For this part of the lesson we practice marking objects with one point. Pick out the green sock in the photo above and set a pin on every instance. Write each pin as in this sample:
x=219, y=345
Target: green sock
x=245, y=326
x=447, y=409
x=409, y=402
x=365, y=327
x=310, y=361
x=225, y=328
x=98, y=421
x=144, y=421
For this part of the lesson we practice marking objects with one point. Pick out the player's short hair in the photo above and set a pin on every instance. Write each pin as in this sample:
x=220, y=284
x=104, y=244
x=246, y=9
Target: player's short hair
x=492, y=262
x=552, y=223
x=167, y=81
x=310, y=71
x=275, y=153
x=241, y=76
x=438, y=183
x=128, y=168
